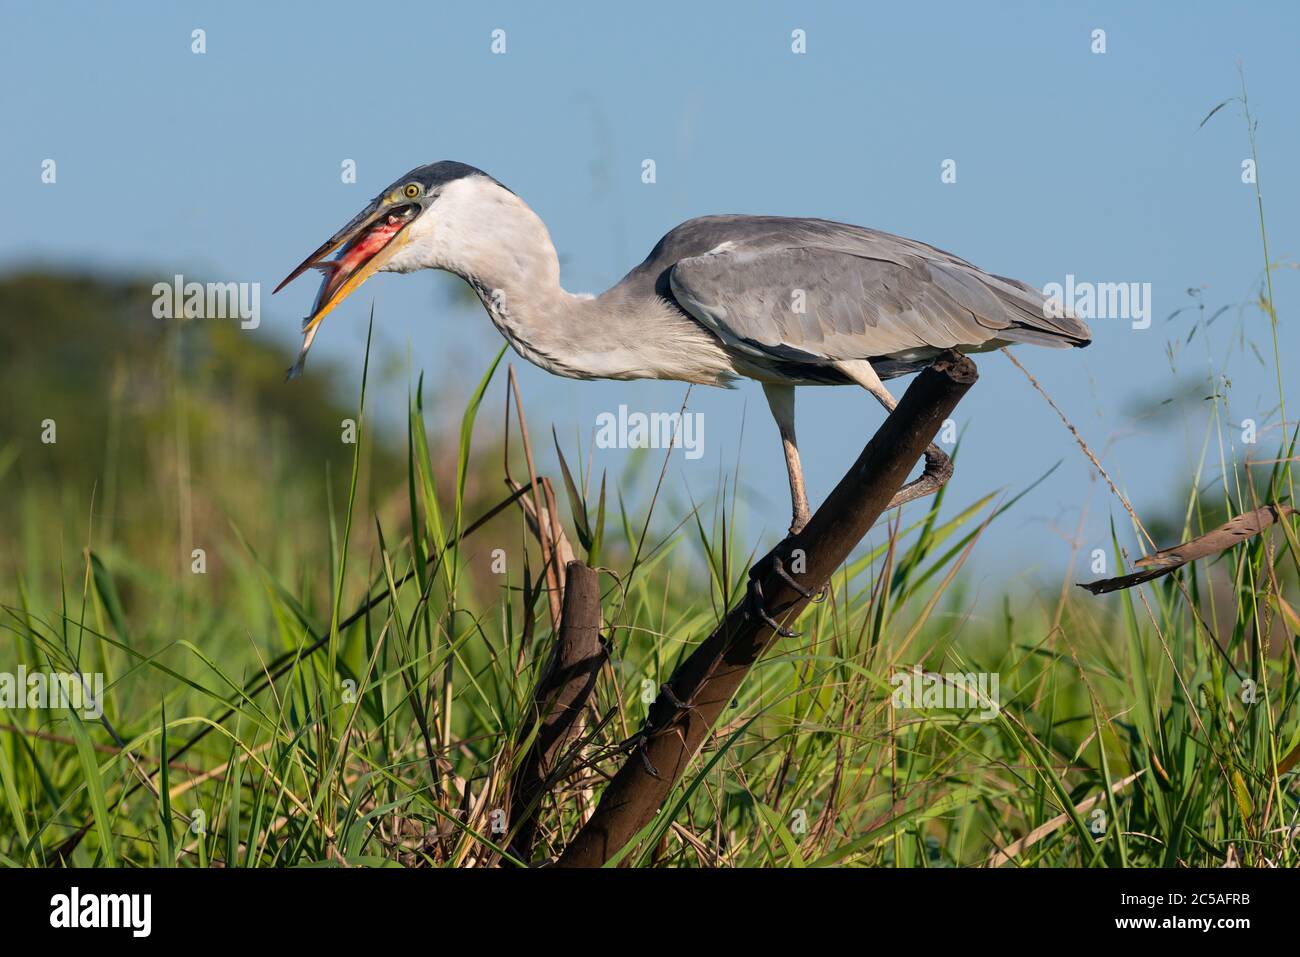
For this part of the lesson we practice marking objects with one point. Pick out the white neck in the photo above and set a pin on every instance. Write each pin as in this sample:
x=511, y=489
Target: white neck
x=488, y=236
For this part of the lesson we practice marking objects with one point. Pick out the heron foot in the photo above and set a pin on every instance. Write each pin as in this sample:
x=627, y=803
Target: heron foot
x=938, y=469
x=756, y=607
x=637, y=743
x=650, y=769
x=653, y=728
x=667, y=689
x=756, y=604
x=814, y=596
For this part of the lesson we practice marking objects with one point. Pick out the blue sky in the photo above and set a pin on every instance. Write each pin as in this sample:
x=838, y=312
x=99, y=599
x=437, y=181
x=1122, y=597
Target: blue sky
x=226, y=165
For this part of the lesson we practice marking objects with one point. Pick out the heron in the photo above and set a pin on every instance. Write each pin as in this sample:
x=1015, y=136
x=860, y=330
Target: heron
x=784, y=301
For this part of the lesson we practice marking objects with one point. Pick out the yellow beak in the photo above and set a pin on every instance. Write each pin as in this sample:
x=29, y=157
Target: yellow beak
x=364, y=245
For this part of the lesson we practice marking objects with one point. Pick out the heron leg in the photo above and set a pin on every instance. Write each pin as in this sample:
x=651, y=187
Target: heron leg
x=938, y=466
x=780, y=399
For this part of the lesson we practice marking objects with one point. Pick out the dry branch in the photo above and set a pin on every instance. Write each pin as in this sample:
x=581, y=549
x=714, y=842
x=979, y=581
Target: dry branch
x=1166, y=560
x=1000, y=857
x=705, y=683
x=559, y=700
x=545, y=523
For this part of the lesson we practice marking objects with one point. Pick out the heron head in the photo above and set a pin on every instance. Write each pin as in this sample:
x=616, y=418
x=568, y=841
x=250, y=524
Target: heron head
x=394, y=233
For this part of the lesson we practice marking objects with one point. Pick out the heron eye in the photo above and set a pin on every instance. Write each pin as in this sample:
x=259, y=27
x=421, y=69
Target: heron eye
x=412, y=190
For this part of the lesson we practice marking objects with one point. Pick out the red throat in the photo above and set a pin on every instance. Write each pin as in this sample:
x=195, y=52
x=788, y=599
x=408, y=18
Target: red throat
x=365, y=246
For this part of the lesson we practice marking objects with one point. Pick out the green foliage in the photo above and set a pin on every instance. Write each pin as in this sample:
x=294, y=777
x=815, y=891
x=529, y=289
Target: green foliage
x=399, y=751
x=348, y=682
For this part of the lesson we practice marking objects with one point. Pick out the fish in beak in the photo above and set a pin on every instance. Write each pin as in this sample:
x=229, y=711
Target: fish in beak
x=363, y=246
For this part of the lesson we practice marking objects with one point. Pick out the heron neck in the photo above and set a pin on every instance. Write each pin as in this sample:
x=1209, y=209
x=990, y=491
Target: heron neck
x=611, y=336
x=622, y=334
x=530, y=312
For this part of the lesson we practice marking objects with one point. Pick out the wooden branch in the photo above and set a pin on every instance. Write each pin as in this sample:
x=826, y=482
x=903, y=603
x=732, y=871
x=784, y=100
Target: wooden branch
x=561, y=548
x=560, y=700
x=708, y=679
x=1166, y=560
x=1002, y=855
x=543, y=528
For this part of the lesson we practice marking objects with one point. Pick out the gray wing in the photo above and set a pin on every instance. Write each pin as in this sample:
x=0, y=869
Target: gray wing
x=814, y=291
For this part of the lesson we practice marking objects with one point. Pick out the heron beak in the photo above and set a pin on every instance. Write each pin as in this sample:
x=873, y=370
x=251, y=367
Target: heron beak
x=363, y=246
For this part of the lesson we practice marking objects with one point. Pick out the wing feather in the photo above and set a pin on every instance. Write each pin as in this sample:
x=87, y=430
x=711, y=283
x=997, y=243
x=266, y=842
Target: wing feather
x=816, y=291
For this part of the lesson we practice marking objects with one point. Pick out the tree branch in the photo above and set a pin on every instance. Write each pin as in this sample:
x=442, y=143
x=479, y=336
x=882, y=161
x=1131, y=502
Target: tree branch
x=705, y=683
x=1166, y=560
x=561, y=695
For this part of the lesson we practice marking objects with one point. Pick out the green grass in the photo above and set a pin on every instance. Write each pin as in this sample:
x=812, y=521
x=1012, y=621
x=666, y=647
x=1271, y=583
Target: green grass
x=349, y=682
x=395, y=741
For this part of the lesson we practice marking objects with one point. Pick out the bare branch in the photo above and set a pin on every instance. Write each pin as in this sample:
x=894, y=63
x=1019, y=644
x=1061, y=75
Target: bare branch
x=705, y=683
x=1166, y=560
x=560, y=698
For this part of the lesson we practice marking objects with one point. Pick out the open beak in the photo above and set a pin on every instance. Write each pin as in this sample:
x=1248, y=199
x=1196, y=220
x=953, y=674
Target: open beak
x=363, y=246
